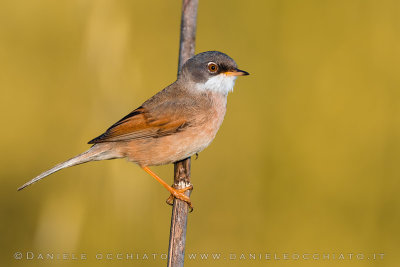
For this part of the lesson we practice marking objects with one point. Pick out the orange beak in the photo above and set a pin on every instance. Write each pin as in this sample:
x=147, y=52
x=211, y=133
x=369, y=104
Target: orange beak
x=236, y=72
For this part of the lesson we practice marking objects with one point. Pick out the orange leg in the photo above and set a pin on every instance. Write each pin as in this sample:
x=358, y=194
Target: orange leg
x=175, y=193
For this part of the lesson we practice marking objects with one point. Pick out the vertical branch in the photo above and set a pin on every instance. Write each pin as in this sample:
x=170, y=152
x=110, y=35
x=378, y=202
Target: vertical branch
x=188, y=31
x=177, y=238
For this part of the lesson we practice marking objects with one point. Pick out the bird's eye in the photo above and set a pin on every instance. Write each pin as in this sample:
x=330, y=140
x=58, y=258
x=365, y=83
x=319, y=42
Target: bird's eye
x=212, y=67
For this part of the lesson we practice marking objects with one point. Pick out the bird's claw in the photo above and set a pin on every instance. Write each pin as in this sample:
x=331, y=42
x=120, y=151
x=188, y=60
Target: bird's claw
x=180, y=194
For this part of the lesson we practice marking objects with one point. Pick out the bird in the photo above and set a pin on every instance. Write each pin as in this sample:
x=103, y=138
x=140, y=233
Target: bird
x=179, y=121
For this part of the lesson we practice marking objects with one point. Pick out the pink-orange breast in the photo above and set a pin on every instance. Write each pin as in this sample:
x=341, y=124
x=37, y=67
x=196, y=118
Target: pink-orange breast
x=182, y=144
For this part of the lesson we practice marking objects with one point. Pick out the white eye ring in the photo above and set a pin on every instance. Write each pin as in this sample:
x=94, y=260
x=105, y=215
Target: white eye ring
x=212, y=67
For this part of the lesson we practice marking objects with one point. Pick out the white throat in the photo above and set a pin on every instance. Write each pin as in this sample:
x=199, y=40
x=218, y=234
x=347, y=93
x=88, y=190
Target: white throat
x=221, y=83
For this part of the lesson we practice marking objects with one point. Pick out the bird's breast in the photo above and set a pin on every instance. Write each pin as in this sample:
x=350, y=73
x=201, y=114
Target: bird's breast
x=202, y=128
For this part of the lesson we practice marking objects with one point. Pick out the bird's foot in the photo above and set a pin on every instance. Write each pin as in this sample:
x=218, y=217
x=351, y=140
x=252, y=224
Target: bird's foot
x=175, y=193
x=180, y=194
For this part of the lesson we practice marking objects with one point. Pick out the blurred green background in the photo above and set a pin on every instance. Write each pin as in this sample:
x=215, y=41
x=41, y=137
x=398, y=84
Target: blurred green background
x=306, y=161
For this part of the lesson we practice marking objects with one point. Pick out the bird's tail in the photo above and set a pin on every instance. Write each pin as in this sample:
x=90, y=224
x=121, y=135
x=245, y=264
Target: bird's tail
x=96, y=152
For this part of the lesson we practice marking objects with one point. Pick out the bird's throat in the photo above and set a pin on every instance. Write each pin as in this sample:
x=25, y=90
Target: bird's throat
x=220, y=84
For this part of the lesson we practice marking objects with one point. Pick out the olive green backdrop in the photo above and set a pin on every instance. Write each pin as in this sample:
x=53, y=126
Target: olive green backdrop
x=306, y=161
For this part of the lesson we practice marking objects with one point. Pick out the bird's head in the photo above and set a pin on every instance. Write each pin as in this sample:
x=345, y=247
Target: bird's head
x=212, y=70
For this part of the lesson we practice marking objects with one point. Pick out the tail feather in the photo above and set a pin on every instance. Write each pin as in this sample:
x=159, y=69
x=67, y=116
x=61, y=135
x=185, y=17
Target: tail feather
x=96, y=152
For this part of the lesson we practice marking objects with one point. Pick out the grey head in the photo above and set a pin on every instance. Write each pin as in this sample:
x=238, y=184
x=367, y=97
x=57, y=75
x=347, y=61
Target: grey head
x=211, y=70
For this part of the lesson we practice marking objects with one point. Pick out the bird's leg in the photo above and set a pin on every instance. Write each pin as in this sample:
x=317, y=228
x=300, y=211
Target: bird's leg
x=175, y=193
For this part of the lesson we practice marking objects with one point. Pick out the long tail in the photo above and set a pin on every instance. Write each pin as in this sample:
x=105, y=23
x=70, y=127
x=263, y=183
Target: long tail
x=96, y=152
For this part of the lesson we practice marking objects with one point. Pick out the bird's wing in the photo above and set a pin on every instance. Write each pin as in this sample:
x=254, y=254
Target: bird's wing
x=145, y=123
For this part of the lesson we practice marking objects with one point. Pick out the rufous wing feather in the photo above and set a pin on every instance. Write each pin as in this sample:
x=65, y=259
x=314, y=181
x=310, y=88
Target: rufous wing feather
x=140, y=124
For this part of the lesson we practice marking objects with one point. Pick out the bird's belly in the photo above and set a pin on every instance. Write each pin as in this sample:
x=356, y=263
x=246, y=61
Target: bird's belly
x=172, y=148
